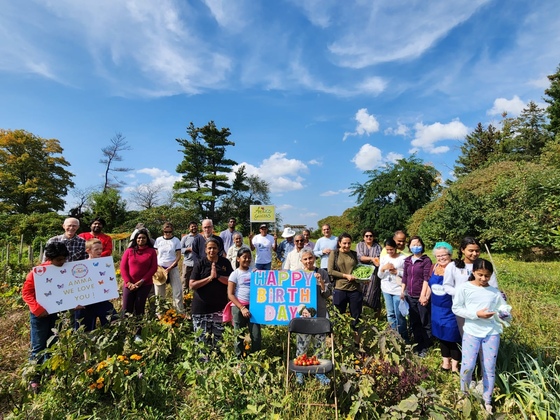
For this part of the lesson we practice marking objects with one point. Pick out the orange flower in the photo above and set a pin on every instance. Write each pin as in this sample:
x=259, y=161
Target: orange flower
x=121, y=358
x=126, y=372
x=89, y=371
x=135, y=357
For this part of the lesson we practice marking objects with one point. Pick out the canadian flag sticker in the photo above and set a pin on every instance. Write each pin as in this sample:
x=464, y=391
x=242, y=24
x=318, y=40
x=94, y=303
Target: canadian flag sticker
x=39, y=270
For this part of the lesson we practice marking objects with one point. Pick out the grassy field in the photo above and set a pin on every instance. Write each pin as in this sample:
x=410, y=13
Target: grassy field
x=106, y=374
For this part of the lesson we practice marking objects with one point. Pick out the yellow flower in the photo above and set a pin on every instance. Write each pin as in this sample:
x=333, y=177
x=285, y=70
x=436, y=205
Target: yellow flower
x=126, y=372
x=135, y=357
x=101, y=365
x=101, y=380
x=121, y=358
x=89, y=371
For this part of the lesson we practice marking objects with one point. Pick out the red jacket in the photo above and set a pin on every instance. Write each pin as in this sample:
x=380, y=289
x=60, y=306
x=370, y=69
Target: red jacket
x=28, y=293
x=106, y=241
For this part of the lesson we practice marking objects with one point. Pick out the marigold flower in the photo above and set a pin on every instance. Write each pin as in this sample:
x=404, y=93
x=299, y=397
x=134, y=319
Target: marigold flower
x=101, y=380
x=101, y=365
x=121, y=358
x=126, y=372
x=93, y=386
x=135, y=357
x=89, y=371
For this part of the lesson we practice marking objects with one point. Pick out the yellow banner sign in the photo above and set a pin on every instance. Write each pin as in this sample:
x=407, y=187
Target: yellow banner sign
x=263, y=214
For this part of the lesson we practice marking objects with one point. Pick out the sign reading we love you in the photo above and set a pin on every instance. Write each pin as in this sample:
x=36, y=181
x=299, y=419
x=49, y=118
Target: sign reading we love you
x=276, y=295
x=75, y=283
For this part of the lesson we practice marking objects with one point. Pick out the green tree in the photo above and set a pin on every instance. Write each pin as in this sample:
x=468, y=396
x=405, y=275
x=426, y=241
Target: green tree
x=110, y=206
x=246, y=190
x=204, y=168
x=33, y=178
x=391, y=195
x=552, y=98
x=478, y=148
x=525, y=137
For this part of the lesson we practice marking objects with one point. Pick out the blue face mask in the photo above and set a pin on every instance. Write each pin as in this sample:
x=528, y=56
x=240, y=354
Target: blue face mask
x=416, y=249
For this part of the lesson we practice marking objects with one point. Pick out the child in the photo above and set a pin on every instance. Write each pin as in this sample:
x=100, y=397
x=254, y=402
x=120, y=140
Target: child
x=42, y=323
x=239, y=284
x=483, y=308
x=88, y=316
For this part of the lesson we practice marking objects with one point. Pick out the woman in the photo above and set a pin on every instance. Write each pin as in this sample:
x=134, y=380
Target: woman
x=391, y=271
x=138, y=265
x=234, y=249
x=347, y=291
x=368, y=253
x=417, y=270
x=239, y=286
x=209, y=281
x=444, y=323
x=458, y=271
x=324, y=290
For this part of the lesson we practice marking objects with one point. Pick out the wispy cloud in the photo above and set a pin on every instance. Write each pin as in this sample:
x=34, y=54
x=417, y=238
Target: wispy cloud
x=330, y=193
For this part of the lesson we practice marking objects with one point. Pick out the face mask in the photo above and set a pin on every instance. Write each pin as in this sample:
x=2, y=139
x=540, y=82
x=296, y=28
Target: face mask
x=416, y=249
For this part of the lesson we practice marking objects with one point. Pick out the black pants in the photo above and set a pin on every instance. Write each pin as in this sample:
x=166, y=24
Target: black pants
x=420, y=322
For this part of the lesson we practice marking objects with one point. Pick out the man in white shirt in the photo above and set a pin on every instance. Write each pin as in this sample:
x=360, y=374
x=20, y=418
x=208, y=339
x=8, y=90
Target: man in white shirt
x=264, y=244
x=293, y=259
x=325, y=245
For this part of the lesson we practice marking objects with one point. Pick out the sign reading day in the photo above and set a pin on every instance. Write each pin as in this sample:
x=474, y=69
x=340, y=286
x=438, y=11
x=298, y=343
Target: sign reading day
x=260, y=214
x=75, y=283
x=275, y=295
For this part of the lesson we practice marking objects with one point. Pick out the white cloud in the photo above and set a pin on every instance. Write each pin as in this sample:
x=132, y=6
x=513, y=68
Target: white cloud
x=513, y=106
x=281, y=173
x=330, y=193
x=401, y=130
x=426, y=136
x=368, y=157
x=315, y=162
x=160, y=177
x=284, y=207
x=367, y=124
x=228, y=14
x=392, y=157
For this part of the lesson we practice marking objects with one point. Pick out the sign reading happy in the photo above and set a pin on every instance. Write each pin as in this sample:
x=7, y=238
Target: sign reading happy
x=276, y=295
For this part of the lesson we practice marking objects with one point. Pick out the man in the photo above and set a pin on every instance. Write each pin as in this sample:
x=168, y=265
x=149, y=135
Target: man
x=293, y=259
x=286, y=245
x=306, y=242
x=264, y=244
x=189, y=258
x=76, y=246
x=96, y=226
x=400, y=238
x=325, y=245
x=227, y=235
x=199, y=243
x=168, y=249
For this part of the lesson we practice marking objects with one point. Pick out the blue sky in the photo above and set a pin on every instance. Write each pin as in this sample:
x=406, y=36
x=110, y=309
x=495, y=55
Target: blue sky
x=315, y=92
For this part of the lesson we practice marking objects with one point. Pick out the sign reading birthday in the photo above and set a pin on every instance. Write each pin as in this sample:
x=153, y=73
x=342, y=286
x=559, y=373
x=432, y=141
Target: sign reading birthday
x=262, y=214
x=276, y=295
x=75, y=283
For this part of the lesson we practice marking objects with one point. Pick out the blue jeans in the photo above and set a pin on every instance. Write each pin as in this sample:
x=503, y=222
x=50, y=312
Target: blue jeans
x=266, y=266
x=394, y=316
x=41, y=331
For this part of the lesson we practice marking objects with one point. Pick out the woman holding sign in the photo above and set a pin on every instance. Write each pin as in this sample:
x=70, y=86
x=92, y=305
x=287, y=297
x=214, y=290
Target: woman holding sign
x=209, y=281
x=347, y=291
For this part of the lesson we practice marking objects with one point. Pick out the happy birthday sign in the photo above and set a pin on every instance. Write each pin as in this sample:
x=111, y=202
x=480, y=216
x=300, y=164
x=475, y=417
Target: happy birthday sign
x=75, y=283
x=276, y=295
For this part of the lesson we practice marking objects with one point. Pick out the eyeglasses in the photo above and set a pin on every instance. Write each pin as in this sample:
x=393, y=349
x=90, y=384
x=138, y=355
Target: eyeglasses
x=167, y=231
x=368, y=236
x=298, y=240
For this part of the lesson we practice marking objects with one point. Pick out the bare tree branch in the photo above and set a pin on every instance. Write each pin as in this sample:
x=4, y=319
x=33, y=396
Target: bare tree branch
x=112, y=154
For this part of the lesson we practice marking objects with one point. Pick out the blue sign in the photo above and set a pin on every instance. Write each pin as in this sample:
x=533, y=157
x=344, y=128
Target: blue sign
x=276, y=295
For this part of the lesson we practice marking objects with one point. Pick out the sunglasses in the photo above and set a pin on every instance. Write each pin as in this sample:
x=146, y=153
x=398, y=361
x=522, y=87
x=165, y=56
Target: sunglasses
x=298, y=240
x=368, y=236
x=167, y=231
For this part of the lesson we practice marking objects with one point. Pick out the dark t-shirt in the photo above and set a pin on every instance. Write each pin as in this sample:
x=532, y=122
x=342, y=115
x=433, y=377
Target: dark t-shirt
x=211, y=297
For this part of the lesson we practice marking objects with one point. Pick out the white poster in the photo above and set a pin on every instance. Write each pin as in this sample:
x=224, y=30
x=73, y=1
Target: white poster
x=75, y=283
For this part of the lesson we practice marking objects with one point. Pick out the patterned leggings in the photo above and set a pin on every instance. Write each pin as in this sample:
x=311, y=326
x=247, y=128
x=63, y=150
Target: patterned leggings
x=471, y=347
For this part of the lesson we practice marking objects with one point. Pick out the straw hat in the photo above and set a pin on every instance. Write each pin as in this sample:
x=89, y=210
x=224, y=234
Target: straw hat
x=160, y=278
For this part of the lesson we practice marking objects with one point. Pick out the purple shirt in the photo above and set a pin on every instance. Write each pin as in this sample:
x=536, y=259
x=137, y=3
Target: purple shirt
x=416, y=273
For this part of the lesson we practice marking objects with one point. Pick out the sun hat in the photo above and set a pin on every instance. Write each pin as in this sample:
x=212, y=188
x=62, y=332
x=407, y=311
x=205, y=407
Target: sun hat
x=160, y=277
x=288, y=233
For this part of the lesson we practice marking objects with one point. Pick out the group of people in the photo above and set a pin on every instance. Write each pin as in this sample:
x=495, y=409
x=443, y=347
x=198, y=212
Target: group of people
x=455, y=301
